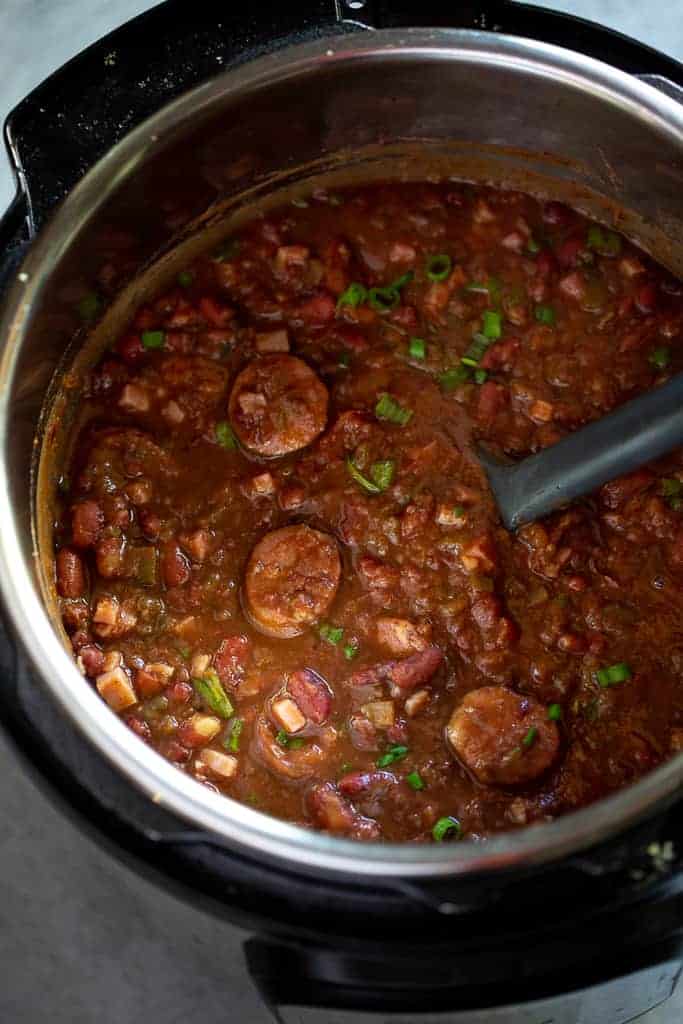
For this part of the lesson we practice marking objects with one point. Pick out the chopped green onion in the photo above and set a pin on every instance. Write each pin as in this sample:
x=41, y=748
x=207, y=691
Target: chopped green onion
x=289, y=742
x=350, y=651
x=227, y=251
x=211, y=691
x=605, y=242
x=225, y=435
x=89, y=306
x=532, y=246
x=389, y=409
x=415, y=781
x=660, y=357
x=417, y=348
x=360, y=478
x=185, y=278
x=344, y=360
x=345, y=767
x=403, y=280
x=459, y=511
x=454, y=378
x=146, y=567
x=475, y=350
x=446, y=827
x=545, y=315
x=530, y=737
x=492, y=325
x=232, y=742
x=384, y=299
x=671, y=487
x=332, y=634
x=555, y=712
x=153, y=339
x=618, y=673
x=396, y=753
x=382, y=473
x=183, y=651
x=354, y=295
x=438, y=267
x=480, y=376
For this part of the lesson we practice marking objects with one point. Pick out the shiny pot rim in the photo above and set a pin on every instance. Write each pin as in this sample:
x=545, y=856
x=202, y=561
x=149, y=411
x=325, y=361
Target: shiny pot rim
x=233, y=824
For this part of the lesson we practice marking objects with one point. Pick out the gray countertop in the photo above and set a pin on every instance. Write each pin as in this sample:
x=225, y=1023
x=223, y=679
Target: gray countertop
x=82, y=938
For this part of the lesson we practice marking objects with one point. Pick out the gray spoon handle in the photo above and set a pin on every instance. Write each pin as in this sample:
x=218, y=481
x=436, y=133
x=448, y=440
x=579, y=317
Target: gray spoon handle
x=635, y=433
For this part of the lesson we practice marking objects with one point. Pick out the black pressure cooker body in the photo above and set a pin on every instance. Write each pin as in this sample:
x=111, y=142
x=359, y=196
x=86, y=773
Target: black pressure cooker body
x=598, y=938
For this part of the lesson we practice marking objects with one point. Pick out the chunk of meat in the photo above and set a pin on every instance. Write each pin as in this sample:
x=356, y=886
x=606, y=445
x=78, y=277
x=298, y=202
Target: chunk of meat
x=502, y=737
x=291, y=580
x=204, y=378
x=333, y=813
x=401, y=636
x=312, y=695
x=401, y=676
x=70, y=574
x=230, y=660
x=277, y=405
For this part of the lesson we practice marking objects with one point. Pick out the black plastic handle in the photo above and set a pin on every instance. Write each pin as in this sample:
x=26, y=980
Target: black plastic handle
x=637, y=432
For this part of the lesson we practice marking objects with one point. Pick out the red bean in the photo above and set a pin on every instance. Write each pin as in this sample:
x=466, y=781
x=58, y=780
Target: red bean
x=70, y=574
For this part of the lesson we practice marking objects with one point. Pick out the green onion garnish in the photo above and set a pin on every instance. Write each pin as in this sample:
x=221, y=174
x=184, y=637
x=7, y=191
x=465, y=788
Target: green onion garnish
x=454, y=378
x=389, y=409
x=332, y=634
x=350, y=651
x=438, y=267
x=475, y=350
x=605, y=242
x=417, y=348
x=354, y=295
x=492, y=325
x=185, y=279
x=211, y=691
x=672, y=490
x=289, y=742
x=152, y=339
x=530, y=737
x=545, y=315
x=532, y=246
x=555, y=712
x=232, y=742
x=344, y=360
x=225, y=435
x=396, y=753
x=381, y=475
x=415, y=781
x=227, y=251
x=384, y=299
x=403, y=280
x=89, y=306
x=618, y=673
x=480, y=376
x=446, y=827
x=660, y=357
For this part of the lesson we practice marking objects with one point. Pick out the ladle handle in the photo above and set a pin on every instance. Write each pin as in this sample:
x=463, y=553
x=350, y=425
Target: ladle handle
x=635, y=433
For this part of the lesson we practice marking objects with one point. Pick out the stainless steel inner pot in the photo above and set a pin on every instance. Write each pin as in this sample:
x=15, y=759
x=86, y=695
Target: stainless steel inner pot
x=389, y=104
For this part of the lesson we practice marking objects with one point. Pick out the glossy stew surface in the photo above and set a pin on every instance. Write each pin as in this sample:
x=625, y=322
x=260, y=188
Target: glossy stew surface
x=277, y=556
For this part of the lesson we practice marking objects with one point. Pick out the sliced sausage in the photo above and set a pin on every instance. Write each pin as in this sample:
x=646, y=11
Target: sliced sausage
x=504, y=738
x=277, y=405
x=312, y=694
x=291, y=579
x=333, y=813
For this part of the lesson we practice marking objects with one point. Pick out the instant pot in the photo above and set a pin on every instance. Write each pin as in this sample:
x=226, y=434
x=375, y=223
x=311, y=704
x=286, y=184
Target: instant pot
x=154, y=138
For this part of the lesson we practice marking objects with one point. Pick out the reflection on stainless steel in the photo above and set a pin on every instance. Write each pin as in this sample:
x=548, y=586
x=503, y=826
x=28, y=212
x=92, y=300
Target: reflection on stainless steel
x=394, y=102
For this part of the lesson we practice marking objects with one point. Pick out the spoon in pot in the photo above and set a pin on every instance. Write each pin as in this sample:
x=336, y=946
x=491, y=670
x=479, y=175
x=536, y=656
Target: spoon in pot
x=637, y=432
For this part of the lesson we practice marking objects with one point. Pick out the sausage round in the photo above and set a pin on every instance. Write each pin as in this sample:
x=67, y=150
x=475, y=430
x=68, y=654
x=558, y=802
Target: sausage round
x=291, y=580
x=277, y=405
x=504, y=738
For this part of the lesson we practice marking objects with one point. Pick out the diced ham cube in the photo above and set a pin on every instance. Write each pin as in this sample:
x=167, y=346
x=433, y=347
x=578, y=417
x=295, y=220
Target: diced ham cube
x=291, y=257
x=116, y=689
x=198, y=730
x=134, y=398
x=106, y=611
x=273, y=341
x=401, y=636
x=450, y=515
x=416, y=702
x=111, y=660
x=199, y=665
x=288, y=716
x=541, y=412
x=172, y=413
x=197, y=544
x=402, y=252
x=573, y=285
x=480, y=555
x=380, y=713
x=222, y=766
x=262, y=486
